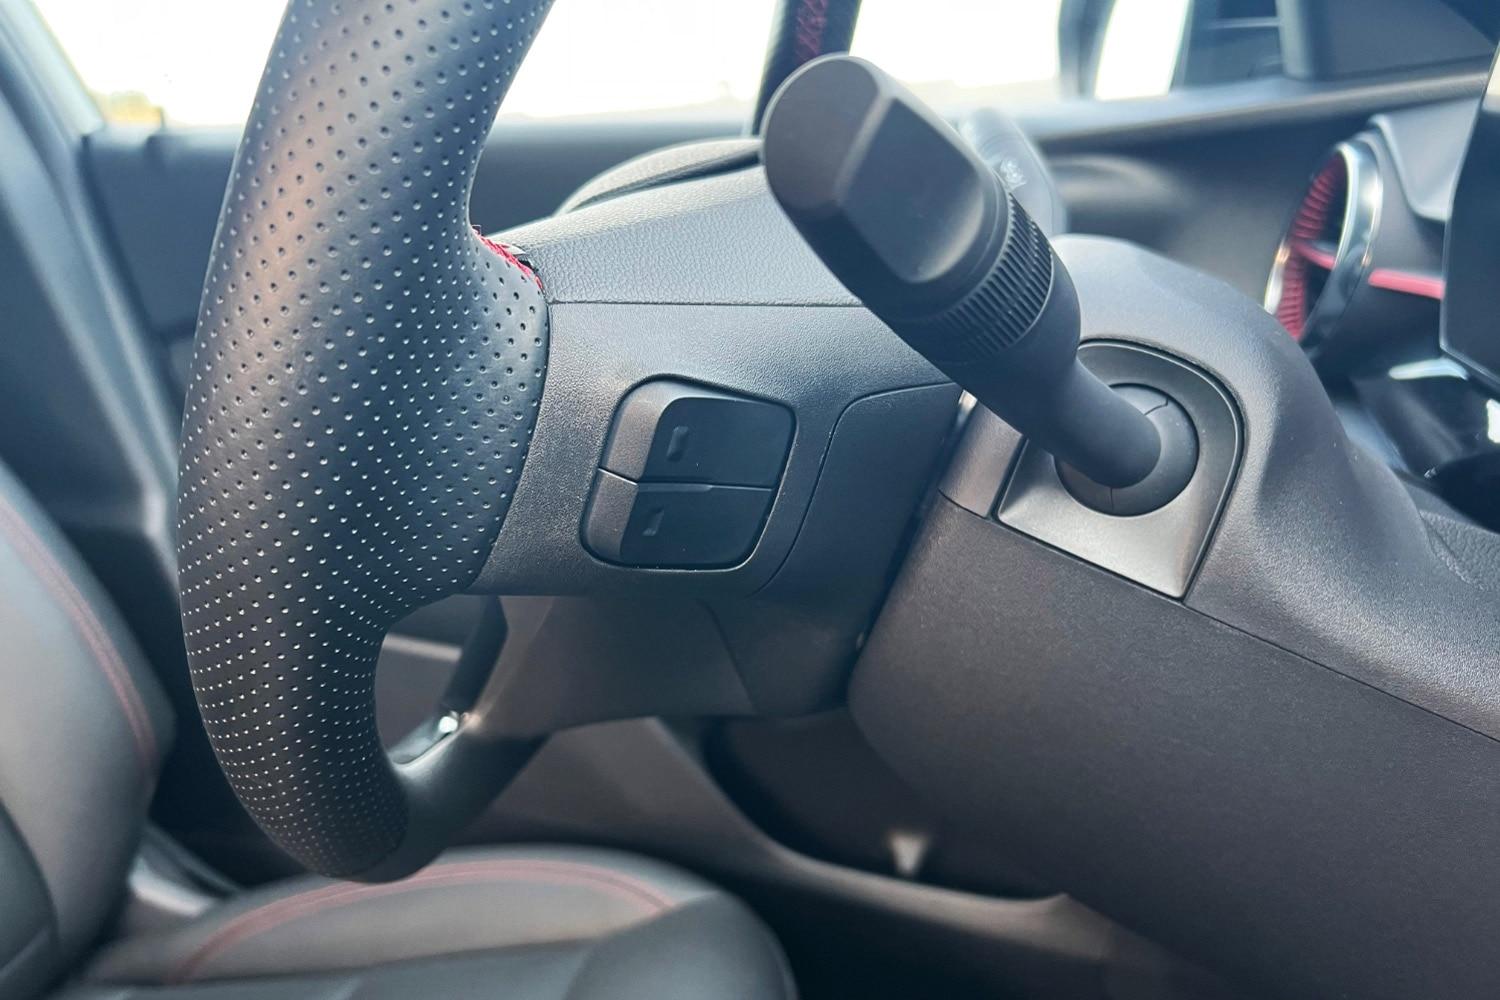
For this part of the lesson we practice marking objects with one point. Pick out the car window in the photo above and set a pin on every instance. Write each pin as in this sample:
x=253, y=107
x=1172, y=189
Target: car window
x=960, y=54
x=196, y=63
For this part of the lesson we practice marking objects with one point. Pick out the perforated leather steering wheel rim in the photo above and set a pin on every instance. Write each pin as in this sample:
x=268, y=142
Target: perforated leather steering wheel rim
x=366, y=377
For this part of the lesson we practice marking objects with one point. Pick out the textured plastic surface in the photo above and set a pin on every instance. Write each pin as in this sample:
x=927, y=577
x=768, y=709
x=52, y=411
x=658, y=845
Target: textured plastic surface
x=666, y=166
x=784, y=650
x=782, y=331
x=1303, y=748
x=366, y=377
x=1228, y=798
x=799, y=357
x=795, y=638
x=681, y=243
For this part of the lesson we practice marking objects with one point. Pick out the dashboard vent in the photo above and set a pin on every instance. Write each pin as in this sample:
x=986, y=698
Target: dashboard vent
x=1323, y=255
x=1312, y=240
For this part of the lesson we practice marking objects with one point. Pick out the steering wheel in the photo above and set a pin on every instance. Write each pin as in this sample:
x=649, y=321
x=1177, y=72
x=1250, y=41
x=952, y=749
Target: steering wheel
x=366, y=380
x=1154, y=587
x=386, y=408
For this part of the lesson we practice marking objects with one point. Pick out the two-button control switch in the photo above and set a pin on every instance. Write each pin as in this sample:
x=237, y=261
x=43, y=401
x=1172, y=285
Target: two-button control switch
x=688, y=477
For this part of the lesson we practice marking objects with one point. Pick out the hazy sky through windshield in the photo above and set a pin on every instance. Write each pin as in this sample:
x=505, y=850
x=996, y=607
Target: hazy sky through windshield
x=200, y=59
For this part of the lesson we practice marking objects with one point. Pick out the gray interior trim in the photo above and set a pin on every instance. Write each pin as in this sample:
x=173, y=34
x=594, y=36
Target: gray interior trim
x=1255, y=105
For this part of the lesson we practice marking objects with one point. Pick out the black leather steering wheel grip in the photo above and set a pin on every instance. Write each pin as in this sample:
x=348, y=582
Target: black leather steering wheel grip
x=365, y=381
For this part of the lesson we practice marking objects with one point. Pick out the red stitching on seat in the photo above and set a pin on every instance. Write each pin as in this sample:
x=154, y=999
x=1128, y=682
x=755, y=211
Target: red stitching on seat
x=278, y=912
x=34, y=551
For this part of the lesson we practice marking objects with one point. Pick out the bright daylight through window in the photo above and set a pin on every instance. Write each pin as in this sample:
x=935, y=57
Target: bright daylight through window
x=196, y=63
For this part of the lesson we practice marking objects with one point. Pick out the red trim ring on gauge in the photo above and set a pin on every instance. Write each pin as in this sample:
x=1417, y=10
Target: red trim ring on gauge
x=1326, y=251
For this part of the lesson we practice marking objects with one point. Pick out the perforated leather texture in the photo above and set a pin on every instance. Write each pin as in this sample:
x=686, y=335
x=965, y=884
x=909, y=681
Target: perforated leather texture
x=365, y=381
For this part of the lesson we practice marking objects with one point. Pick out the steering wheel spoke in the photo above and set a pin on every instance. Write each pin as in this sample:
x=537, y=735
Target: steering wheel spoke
x=366, y=379
x=367, y=394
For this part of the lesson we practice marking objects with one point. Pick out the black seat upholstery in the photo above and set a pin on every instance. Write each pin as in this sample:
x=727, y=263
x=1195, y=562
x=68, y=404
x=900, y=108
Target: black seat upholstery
x=82, y=732
x=517, y=922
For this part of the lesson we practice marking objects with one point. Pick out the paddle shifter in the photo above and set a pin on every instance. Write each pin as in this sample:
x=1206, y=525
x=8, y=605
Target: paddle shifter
x=922, y=231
